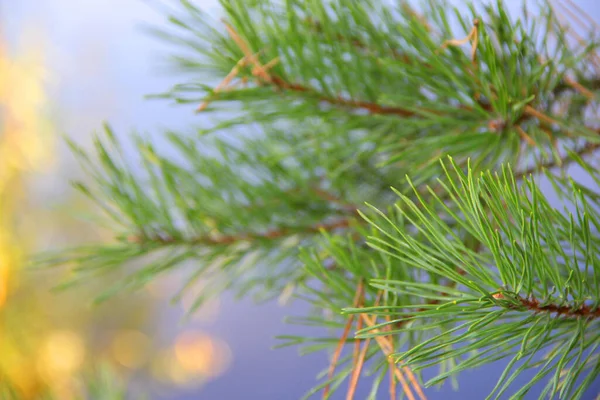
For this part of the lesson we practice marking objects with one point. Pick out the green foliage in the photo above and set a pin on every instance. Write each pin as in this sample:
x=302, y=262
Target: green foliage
x=498, y=300
x=325, y=106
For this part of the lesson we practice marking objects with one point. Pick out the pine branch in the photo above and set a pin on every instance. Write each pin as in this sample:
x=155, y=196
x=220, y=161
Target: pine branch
x=261, y=72
x=374, y=108
x=220, y=240
x=375, y=96
x=564, y=85
x=484, y=200
x=533, y=304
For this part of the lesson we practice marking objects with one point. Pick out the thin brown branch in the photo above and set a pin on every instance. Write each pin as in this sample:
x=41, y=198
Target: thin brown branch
x=525, y=136
x=392, y=366
x=216, y=239
x=258, y=70
x=472, y=37
x=579, y=87
x=374, y=108
x=338, y=350
x=355, y=352
x=261, y=72
x=386, y=347
x=568, y=311
x=358, y=359
x=567, y=81
x=532, y=112
x=226, y=82
x=357, y=370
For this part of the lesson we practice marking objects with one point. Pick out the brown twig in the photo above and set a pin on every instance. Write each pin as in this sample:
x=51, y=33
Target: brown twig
x=585, y=16
x=472, y=36
x=216, y=239
x=357, y=370
x=259, y=70
x=225, y=82
x=338, y=350
x=374, y=108
x=355, y=352
x=391, y=363
x=386, y=347
x=583, y=310
x=525, y=136
x=358, y=359
x=579, y=87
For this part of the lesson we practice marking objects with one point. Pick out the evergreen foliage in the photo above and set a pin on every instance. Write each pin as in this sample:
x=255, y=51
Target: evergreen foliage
x=324, y=105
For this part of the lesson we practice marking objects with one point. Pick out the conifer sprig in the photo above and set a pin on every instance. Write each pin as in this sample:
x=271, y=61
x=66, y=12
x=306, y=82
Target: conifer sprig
x=533, y=286
x=322, y=106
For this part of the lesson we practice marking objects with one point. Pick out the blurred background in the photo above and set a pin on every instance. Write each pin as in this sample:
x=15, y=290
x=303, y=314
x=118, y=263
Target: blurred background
x=65, y=67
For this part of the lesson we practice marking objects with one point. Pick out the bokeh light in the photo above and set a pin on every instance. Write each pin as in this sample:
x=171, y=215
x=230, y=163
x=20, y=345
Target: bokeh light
x=202, y=354
x=51, y=342
x=195, y=358
x=131, y=348
x=62, y=354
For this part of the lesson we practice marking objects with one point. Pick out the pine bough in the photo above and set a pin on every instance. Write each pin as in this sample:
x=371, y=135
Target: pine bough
x=424, y=178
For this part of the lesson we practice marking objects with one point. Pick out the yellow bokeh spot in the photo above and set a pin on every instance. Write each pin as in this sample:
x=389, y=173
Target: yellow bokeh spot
x=201, y=354
x=130, y=348
x=62, y=354
x=25, y=145
x=166, y=368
